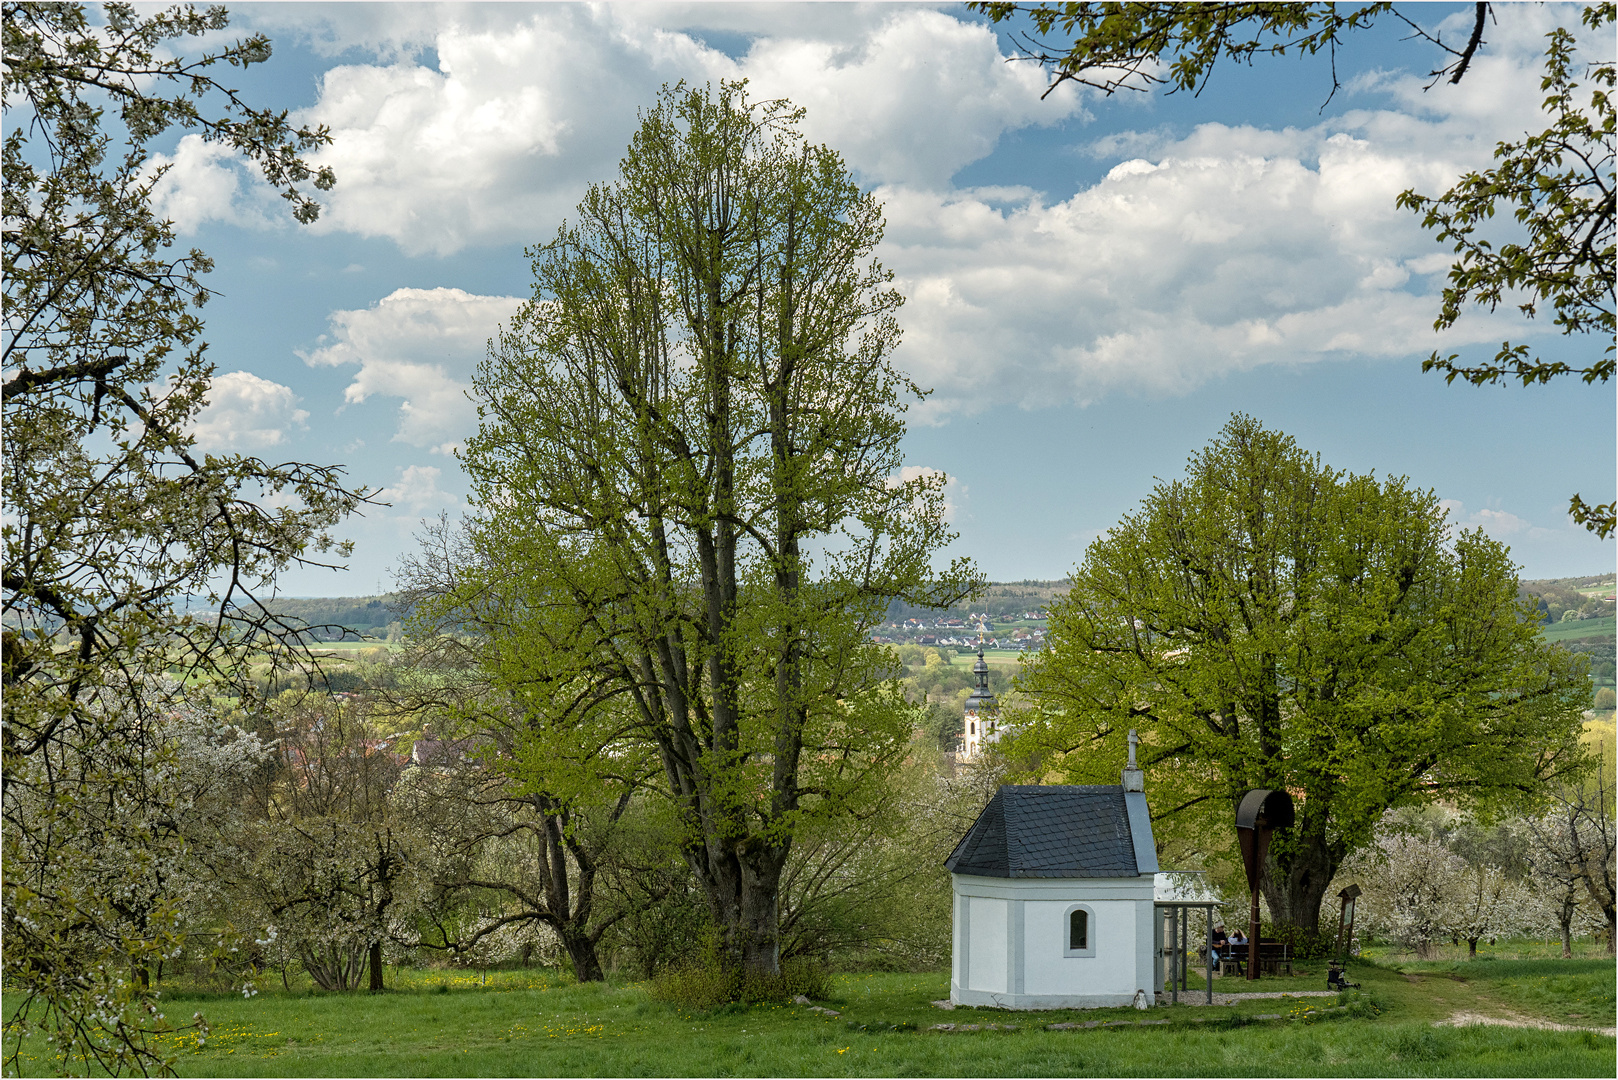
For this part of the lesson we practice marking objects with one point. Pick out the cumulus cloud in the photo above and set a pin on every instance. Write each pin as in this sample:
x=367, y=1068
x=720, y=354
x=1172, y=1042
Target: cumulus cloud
x=245, y=412
x=419, y=345
x=528, y=105
x=1228, y=249
x=202, y=182
x=415, y=490
x=1199, y=254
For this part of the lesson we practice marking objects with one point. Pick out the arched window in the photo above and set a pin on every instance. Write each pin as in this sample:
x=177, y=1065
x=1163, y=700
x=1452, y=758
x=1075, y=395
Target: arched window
x=1079, y=931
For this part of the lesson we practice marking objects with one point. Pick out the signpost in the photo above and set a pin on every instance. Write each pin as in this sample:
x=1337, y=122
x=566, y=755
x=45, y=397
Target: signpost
x=1345, y=923
x=1260, y=813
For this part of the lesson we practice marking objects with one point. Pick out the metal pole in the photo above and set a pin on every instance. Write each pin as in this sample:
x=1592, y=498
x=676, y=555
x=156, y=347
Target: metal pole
x=1210, y=954
x=1174, y=956
x=1185, y=947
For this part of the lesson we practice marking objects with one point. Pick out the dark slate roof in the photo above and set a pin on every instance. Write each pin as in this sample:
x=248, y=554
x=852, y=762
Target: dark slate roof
x=1055, y=831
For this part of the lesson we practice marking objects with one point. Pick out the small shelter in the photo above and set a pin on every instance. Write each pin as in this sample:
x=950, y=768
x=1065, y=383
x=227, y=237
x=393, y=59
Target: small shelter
x=1054, y=898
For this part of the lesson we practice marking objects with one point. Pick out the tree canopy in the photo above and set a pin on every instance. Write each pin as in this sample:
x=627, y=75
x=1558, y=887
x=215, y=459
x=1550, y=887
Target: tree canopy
x=1557, y=185
x=114, y=520
x=689, y=510
x=1268, y=621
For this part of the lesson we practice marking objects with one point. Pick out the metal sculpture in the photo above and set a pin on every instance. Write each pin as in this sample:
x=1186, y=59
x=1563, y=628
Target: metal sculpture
x=1260, y=813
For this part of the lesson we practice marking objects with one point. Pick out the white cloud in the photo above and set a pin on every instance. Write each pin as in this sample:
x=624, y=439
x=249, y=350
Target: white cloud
x=923, y=96
x=1229, y=249
x=955, y=492
x=420, y=345
x=416, y=491
x=1502, y=525
x=528, y=105
x=205, y=182
x=1226, y=249
x=245, y=412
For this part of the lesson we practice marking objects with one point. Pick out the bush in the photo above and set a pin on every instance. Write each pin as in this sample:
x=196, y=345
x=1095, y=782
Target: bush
x=707, y=985
x=1305, y=945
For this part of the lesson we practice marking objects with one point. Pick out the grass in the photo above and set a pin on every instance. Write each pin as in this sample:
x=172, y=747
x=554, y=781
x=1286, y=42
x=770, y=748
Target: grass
x=1606, y=627
x=540, y=1023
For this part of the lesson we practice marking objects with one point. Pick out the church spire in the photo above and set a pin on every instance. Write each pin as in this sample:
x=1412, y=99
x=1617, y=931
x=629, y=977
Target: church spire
x=982, y=698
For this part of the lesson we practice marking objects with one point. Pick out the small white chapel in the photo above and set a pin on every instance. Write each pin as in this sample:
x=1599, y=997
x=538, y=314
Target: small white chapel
x=1054, y=894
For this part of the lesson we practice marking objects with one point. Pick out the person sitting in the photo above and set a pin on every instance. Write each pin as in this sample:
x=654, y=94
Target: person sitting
x=1220, y=944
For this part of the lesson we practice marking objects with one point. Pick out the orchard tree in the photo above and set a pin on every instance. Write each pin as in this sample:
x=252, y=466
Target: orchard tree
x=1270, y=622
x=1562, y=845
x=1576, y=850
x=112, y=520
x=325, y=850
x=1557, y=184
x=689, y=460
x=536, y=820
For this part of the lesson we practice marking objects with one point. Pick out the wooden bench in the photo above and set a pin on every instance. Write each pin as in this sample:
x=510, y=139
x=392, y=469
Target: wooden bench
x=1271, y=956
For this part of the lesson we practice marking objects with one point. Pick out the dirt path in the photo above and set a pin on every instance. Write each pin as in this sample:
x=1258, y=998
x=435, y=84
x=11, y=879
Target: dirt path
x=1463, y=1019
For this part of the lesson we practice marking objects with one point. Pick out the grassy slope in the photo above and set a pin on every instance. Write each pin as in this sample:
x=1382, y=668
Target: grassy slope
x=537, y=1025
x=1581, y=628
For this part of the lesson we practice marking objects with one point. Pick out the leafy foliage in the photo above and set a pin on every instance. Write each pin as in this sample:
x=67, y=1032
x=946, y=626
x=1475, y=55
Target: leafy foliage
x=112, y=520
x=1557, y=185
x=1271, y=622
x=688, y=512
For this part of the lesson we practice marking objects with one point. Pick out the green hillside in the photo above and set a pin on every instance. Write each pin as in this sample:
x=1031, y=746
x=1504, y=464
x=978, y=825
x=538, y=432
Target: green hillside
x=1599, y=629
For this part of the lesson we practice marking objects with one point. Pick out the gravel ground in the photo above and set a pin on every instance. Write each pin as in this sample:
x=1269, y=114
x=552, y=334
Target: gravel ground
x=1200, y=997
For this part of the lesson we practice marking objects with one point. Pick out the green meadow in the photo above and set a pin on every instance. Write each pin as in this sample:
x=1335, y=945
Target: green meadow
x=1605, y=627
x=515, y=1023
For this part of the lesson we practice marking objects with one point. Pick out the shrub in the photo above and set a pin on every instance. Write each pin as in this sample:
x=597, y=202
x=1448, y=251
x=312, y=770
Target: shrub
x=707, y=985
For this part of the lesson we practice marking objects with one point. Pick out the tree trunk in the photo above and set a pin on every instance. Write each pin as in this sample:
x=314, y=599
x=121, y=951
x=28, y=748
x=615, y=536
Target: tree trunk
x=1471, y=948
x=758, y=927
x=582, y=952
x=376, y=967
x=1298, y=873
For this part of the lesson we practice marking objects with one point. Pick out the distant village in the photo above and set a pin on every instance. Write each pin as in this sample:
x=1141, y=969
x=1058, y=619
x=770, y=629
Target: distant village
x=1023, y=631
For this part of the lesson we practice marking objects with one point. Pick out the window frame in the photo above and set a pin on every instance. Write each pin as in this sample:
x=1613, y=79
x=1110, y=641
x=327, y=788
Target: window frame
x=1090, y=931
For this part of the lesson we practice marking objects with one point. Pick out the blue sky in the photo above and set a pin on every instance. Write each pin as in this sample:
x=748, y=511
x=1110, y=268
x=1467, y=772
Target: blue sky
x=1094, y=284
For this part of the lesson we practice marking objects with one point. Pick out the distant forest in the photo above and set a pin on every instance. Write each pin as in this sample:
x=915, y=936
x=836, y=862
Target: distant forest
x=368, y=616
x=1000, y=598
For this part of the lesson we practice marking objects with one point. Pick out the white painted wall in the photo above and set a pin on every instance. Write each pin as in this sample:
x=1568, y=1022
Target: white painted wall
x=986, y=949
x=1114, y=932
x=1010, y=937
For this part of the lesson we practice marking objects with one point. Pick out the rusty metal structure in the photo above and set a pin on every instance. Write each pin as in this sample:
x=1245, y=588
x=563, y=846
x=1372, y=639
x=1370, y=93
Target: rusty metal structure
x=1260, y=813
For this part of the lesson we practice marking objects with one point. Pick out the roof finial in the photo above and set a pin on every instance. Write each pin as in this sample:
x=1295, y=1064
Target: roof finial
x=1133, y=778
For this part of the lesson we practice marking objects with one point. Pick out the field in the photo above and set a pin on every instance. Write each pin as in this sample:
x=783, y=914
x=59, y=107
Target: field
x=535, y=1023
x=1605, y=627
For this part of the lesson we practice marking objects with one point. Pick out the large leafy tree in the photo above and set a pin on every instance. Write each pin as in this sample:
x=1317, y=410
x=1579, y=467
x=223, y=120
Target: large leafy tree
x=113, y=520
x=688, y=465
x=1557, y=185
x=1270, y=622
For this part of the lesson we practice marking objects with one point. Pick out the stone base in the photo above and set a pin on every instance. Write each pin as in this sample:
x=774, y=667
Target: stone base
x=961, y=996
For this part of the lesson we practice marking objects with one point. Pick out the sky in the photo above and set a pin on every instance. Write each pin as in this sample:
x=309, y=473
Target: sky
x=1094, y=285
